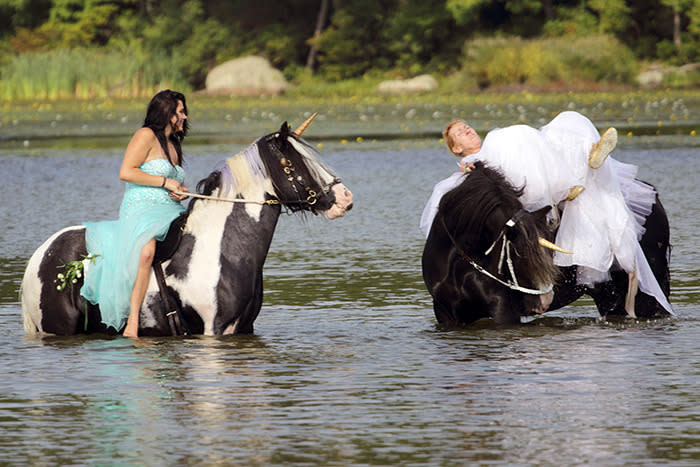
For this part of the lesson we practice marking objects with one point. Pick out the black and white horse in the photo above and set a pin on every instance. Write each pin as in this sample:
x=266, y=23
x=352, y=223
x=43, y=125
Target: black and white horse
x=482, y=259
x=214, y=275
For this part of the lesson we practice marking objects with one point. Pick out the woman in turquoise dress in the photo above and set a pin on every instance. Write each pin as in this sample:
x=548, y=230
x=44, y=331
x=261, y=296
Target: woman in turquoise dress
x=124, y=249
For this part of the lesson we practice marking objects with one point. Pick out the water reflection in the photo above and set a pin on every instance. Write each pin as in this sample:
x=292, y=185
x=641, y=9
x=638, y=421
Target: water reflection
x=347, y=365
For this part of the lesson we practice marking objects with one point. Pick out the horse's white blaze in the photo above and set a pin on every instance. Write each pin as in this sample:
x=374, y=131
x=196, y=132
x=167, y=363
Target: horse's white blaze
x=30, y=290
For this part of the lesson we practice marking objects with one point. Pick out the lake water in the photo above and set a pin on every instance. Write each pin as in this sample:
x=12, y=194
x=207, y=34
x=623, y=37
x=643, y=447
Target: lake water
x=347, y=365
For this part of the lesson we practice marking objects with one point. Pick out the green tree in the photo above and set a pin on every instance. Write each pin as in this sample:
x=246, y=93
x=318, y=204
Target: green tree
x=22, y=14
x=76, y=23
x=613, y=15
x=694, y=19
x=421, y=33
x=352, y=43
x=521, y=17
x=678, y=7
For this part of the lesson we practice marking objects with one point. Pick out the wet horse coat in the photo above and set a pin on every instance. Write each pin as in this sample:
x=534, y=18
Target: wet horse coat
x=215, y=274
x=482, y=252
x=462, y=295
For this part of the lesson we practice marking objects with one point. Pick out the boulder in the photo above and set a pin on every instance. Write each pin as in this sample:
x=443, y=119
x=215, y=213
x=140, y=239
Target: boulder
x=657, y=75
x=653, y=77
x=420, y=83
x=250, y=75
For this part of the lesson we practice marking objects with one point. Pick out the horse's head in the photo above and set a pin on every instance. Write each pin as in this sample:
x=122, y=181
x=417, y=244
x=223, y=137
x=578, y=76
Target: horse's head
x=486, y=221
x=300, y=180
x=279, y=168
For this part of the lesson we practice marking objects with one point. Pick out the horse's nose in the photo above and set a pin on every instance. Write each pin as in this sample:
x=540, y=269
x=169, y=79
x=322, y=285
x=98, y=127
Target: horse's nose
x=348, y=207
x=348, y=197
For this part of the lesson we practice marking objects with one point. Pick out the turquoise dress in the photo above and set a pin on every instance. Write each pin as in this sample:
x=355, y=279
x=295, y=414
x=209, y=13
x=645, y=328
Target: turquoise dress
x=146, y=212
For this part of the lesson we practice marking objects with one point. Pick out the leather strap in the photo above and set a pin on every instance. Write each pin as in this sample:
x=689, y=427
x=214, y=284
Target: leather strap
x=172, y=314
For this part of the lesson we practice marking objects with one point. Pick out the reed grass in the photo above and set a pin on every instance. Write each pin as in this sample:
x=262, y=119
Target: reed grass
x=86, y=73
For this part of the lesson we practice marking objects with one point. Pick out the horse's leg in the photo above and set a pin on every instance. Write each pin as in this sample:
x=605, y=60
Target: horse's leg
x=140, y=286
x=506, y=310
x=656, y=246
x=610, y=296
x=445, y=312
x=244, y=322
x=566, y=290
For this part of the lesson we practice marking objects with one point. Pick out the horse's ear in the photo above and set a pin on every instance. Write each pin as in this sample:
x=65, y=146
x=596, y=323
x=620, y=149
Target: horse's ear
x=284, y=130
x=541, y=214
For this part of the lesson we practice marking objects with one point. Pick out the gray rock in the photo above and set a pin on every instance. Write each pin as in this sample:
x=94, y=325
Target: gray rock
x=652, y=78
x=250, y=75
x=658, y=75
x=420, y=83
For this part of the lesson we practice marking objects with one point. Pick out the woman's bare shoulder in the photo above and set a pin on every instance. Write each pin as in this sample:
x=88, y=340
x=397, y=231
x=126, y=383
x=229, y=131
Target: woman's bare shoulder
x=145, y=134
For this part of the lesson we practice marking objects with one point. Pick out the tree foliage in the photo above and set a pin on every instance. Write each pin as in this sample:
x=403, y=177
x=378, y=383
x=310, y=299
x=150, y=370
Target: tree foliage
x=395, y=37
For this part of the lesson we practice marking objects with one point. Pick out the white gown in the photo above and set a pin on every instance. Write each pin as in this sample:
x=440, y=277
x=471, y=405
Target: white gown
x=604, y=223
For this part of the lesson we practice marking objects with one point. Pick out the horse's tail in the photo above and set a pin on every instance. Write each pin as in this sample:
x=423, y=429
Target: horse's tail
x=30, y=290
x=30, y=328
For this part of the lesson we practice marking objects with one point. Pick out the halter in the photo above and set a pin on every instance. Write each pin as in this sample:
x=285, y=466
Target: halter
x=295, y=179
x=505, y=257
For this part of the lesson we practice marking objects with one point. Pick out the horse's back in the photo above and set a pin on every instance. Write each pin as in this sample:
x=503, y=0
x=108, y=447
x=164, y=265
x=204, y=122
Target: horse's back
x=41, y=301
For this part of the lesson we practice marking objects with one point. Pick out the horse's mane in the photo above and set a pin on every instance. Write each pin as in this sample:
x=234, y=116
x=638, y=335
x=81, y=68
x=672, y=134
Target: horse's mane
x=466, y=208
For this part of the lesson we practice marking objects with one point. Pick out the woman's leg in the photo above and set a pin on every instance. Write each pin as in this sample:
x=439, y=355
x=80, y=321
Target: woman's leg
x=140, y=286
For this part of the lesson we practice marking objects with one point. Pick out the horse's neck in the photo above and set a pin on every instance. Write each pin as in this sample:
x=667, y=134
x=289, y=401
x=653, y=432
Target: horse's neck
x=241, y=178
x=226, y=227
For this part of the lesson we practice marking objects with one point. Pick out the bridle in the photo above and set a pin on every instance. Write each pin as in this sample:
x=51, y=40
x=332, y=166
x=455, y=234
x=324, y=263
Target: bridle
x=505, y=257
x=295, y=180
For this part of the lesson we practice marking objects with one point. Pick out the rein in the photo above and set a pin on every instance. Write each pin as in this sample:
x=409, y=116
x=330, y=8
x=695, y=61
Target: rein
x=293, y=178
x=310, y=200
x=228, y=200
x=505, y=255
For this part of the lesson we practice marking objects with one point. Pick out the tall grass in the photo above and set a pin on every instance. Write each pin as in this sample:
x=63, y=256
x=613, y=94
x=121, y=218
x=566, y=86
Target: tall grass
x=86, y=73
x=499, y=61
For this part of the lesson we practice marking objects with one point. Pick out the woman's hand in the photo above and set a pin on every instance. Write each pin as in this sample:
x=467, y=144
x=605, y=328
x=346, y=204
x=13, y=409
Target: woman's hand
x=466, y=168
x=172, y=186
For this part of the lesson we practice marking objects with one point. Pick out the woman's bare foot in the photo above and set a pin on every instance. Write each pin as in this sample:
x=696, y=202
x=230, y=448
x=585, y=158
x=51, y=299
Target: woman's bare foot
x=131, y=331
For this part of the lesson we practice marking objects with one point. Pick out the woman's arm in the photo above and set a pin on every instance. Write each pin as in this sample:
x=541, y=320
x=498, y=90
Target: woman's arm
x=137, y=152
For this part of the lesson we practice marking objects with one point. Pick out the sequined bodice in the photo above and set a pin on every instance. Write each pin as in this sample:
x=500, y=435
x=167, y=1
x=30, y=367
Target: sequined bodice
x=137, y=194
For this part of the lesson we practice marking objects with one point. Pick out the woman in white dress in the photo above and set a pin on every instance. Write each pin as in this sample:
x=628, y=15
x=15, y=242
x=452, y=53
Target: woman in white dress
x=566, y=161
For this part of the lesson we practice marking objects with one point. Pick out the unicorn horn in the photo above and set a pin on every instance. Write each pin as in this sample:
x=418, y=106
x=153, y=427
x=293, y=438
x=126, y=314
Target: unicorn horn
x=303, y=126
x=552, y=246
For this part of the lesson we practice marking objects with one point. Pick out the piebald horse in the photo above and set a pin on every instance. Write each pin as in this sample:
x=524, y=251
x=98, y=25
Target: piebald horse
x=214, y=275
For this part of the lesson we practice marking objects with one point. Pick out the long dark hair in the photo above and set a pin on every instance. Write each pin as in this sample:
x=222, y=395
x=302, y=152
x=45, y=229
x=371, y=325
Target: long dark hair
x=160, y=110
